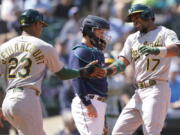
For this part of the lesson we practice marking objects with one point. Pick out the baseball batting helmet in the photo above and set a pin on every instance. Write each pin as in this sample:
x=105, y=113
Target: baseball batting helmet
x=146, y=12
x=30, y=16
x=94, y=22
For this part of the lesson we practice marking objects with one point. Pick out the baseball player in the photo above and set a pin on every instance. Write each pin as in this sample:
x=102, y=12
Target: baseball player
x=24, y=60
x=88, y=106
x=148, y=106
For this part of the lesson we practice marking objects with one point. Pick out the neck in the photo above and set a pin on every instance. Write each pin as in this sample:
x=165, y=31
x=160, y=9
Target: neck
x=86, y=41
x=148, y=29
x=29, y=32
x=152, y=27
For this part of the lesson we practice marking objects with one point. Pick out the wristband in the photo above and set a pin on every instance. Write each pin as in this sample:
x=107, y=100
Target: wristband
x=163, y=51
x=119, y=66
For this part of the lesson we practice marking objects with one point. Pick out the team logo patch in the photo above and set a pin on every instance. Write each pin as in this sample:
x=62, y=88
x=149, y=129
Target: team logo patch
x=22, y=21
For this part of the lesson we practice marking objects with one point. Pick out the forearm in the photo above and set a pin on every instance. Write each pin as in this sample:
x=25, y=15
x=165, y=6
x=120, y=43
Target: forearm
x=173, y=50
x=116, y=67
x=66, y=73
x=169, y=51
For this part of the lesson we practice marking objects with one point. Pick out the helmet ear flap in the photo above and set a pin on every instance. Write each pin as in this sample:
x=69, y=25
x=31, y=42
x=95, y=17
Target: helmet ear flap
x=147, y=14
x=30, y=20
x=86, y=30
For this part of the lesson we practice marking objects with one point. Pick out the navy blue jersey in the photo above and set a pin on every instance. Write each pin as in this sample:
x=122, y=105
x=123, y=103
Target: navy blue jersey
x=80, y=56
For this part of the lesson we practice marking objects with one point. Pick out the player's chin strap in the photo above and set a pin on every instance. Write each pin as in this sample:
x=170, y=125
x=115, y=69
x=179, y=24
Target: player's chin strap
x=116, y=67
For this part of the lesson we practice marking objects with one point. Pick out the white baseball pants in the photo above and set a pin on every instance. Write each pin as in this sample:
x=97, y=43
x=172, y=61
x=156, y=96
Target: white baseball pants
x=23, y=110
x=85, y=124
x=148, y=107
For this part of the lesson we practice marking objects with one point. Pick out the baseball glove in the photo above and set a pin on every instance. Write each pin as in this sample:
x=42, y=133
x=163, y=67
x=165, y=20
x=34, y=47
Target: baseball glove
x=146, y=50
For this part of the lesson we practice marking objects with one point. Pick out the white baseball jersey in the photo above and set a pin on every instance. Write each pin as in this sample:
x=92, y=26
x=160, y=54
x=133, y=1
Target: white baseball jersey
x=149, y=67
x=24, y=60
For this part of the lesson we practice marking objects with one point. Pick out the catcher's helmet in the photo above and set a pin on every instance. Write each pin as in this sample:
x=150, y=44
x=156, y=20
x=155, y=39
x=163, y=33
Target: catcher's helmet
x=31, y=16
x=94, y=22
x=146, y=12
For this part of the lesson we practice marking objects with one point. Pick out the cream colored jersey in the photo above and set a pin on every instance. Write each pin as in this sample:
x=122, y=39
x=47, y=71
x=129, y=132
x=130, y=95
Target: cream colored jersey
x=151, y=66
x=24, y=61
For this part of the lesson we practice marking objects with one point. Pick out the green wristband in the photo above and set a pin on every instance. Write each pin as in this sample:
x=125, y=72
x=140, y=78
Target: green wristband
x=119, y=66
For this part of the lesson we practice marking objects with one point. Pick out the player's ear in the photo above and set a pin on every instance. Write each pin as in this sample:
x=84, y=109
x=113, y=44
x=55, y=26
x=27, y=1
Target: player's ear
x=38, y=23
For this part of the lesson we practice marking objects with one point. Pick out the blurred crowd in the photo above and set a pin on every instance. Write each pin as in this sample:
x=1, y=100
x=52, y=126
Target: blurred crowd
x=64, y=19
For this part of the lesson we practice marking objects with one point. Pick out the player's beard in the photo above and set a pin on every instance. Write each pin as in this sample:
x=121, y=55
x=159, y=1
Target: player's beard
x=143, y=30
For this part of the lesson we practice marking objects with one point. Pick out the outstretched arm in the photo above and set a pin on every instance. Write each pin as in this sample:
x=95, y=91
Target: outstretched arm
x=89, y=71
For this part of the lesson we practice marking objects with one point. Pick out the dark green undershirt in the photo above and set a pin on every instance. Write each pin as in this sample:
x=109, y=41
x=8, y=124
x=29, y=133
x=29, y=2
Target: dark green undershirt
x=66, y=73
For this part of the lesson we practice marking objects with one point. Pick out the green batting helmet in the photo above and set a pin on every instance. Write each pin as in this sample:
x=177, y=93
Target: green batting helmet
x=145, y=12
x=30, y=16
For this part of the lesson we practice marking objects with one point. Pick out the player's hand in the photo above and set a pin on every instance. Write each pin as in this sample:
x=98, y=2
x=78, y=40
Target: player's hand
x=105, y=131
x=1, y=124
x=92, y=70
x=91, y=111
x=98, y=73
x=146, y=50
x=1, y=115
x=1, y=118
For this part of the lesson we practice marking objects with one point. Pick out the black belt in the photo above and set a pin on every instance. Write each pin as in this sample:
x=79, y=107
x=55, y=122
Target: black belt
x=102, y=99
x=146, y=84
x=20, y=89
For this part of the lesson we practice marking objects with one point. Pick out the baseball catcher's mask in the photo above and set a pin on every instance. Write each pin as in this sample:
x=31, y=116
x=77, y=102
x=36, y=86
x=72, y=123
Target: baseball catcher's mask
x=89, y=24
x=145, y=12
x=30, y=16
